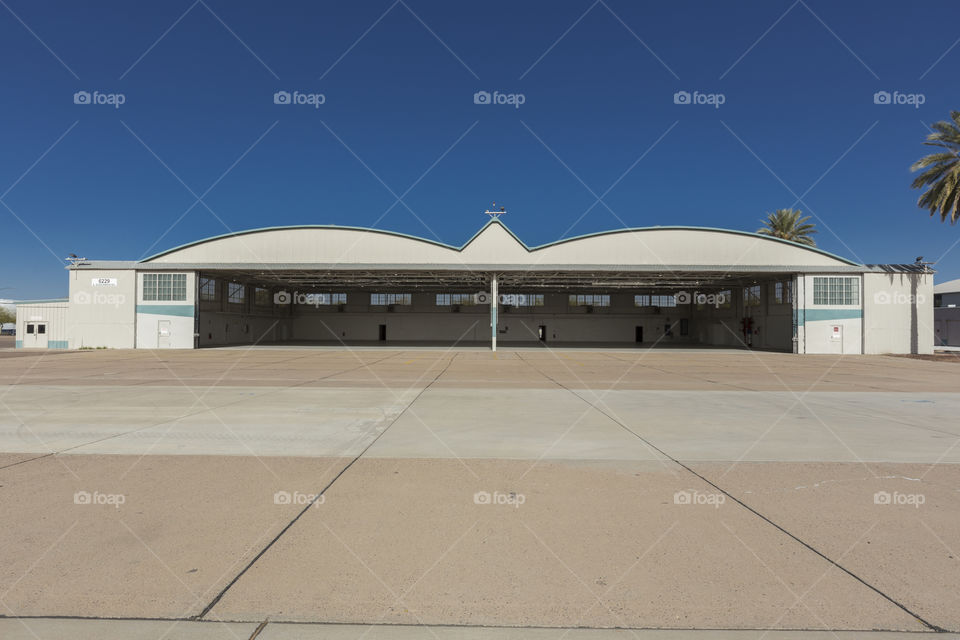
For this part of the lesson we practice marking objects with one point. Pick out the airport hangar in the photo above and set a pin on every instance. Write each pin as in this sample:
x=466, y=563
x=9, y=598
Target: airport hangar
x=658, y=286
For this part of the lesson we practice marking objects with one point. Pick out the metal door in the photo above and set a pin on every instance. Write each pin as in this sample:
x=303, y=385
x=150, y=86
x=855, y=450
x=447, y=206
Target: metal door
x=36, y=336
x=835, y=341
x=163, y=334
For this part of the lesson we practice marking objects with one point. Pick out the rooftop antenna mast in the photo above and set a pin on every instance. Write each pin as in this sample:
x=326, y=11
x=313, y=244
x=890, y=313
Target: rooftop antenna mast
x=927, y=266
x=494, y=212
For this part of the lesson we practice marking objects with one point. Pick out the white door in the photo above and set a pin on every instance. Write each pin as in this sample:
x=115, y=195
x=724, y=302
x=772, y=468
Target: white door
x=163, y=334
x=835, y=340
x=36, y=336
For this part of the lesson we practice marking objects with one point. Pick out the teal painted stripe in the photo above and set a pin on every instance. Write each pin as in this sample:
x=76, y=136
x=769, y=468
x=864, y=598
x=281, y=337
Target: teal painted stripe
x=183, y=310
x=816, y=315
x=51, y=344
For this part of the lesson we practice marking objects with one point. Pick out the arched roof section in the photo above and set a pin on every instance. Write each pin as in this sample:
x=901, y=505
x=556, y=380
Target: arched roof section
x=496, y=245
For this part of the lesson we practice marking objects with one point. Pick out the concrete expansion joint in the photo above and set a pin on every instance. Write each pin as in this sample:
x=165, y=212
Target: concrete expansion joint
x=13, y=464
x=320, y=494
x=809, y=547
x=260, y=628
x=929, y=625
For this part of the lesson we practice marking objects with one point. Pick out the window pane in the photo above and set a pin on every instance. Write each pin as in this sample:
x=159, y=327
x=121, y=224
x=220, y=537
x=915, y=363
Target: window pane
x=590, y=300
x=235, y=292
x=662, y=301
x=179, y=287
x=522, y=299
x=836, y=291
x=382, y=299
x=447, y=299
x=150, y=286
x=165, y=287
x=208, y=289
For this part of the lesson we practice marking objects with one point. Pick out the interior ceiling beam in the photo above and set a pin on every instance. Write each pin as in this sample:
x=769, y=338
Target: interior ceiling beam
x=476, y=281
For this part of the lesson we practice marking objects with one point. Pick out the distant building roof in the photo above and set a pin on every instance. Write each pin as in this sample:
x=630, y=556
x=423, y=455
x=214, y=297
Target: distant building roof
x=48, y=300
x=950, y=286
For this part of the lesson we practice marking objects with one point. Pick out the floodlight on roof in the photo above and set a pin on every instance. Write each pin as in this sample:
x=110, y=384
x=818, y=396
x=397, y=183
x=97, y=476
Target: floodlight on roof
x=494, y=212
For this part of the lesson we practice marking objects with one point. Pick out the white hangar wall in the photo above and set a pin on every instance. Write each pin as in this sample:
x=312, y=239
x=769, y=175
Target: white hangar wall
x=102, y=308
x=893, y=314
x=898, y=313
x=166, y=324
x=107, y=309
x=310, y=245
x=495, y=245
x=828, y=327
x=668, y=247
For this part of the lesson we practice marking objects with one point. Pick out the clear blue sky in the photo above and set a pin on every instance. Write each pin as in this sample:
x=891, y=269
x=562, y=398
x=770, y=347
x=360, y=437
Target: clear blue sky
x=599, y=118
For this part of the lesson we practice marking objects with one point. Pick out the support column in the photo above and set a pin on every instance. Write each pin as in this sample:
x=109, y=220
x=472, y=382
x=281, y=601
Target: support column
x=800, y=312
x=494, y=302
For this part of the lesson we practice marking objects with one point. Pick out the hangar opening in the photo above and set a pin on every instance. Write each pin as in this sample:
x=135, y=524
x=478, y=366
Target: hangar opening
x=663, y=287
x=450, y=308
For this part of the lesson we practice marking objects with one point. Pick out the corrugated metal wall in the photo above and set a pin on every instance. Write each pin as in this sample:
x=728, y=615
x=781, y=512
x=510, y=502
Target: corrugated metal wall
x=53, y=314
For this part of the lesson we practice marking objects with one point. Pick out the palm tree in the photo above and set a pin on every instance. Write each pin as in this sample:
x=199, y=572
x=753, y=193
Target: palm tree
x=788, y=225
x=942, y=173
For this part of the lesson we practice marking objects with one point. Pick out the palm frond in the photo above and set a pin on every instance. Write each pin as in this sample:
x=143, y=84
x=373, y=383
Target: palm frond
x=941, y=171
x=787, y=224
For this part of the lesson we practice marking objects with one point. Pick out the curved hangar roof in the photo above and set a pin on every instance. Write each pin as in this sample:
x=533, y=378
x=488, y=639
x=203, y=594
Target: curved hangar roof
x=495, y=246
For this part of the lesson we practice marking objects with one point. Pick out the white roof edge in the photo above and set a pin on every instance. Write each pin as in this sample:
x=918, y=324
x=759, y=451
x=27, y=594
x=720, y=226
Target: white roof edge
x=345, y=266
x=950, y=286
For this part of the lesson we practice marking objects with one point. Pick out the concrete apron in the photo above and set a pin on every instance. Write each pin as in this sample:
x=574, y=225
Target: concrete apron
x=84, y=629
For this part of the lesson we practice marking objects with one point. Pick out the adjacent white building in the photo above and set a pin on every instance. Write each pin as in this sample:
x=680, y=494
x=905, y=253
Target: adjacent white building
x=946, y=313
x=658, y=286
x=43, y=324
